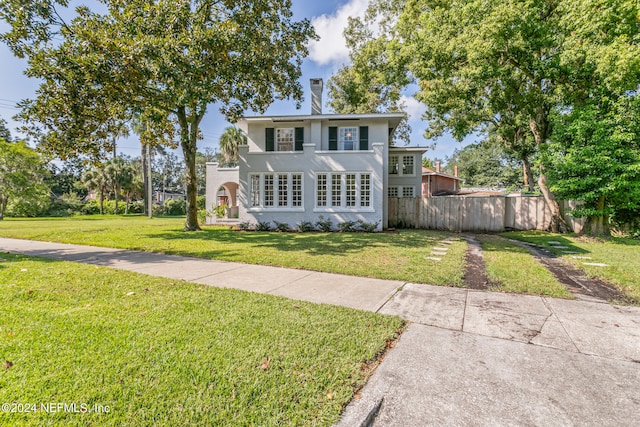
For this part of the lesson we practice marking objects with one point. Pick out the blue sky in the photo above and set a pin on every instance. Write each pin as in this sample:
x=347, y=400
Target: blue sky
x=329, y=18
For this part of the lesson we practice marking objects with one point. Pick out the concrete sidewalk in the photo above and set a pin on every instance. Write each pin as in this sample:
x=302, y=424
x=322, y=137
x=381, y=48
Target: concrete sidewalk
x=468, y=357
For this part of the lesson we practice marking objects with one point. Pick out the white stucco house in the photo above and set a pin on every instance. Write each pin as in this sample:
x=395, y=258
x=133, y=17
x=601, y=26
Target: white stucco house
x=301, y=167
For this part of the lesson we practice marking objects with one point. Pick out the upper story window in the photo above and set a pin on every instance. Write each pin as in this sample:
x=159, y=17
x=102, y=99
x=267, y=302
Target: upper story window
x=283, y=139
x=349, y=138
x=402, y=165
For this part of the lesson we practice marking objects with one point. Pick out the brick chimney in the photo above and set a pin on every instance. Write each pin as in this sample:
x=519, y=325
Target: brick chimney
x=438, y=167
x=455, y=171
x=316, y=96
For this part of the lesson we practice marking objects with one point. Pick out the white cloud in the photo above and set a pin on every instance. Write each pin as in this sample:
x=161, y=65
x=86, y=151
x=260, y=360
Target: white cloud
x=414, y=108
x=332, y=45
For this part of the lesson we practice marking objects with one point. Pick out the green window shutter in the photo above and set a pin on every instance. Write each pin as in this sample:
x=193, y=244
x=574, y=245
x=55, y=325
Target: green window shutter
x=269, y=138
x=299, y=138
x=333, y=138
x=364, y=137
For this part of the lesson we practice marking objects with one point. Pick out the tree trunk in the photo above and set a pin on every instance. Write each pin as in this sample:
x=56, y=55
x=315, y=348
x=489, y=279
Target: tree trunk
x=145, y=195
x=188, y=141
x=116, y=191
x=3, y=206
x=101, y=202
x=540, y=129
x=599, y=225
x=528, y=175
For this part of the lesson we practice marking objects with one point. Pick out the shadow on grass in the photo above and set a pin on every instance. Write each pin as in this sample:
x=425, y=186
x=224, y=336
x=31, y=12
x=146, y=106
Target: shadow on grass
x=312, y=243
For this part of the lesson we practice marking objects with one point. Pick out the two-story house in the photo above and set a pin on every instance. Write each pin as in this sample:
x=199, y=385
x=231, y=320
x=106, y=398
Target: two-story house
x=301, y=167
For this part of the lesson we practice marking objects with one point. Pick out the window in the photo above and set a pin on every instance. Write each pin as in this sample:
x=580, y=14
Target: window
x=296, y=190
x=336, y=190
x=283, y=192
x=393, y=191
x=344, y=190
x=407, y=191
x=278, y=190
x=322, y=189
x=268, y=190
x=351, y=190
x=393, y=165
x=348, y=138
x=284, y=139
x=255, y=190
x=407, y=165
x=365, y=190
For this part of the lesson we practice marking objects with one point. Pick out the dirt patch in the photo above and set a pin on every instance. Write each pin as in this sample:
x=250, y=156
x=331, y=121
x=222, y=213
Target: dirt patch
x=475, y=276
x=574, y=278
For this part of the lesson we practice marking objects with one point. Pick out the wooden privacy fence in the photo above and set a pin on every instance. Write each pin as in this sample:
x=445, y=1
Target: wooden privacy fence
x=478, y=214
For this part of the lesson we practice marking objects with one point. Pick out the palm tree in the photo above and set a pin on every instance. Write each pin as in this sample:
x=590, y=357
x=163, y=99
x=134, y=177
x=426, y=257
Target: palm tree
x=96, y=180
x=119, y=174
x=229, y=141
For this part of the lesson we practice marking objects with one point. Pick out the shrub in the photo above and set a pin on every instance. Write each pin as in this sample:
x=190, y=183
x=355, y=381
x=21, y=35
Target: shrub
x=67, y=204
x=281, y=226
x=220, y=211
x=347, y=226
x=201, y=202
x=90, y=207
x=368, y=227
x=136, y=207
x=263, y=226
x=174, y=207
x=324, y=224
x=202, y=216
x=305, y=226
x=244, y=226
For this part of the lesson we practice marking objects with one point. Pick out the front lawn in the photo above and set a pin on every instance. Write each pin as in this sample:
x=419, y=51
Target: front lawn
x=621, y=257
x=161, y=352
x=400, y=255
x=515, y=270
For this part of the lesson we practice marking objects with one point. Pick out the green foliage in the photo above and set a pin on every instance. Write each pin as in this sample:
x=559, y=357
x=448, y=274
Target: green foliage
x=367, y=227
x=220, y=211
x=486, y=164
x=245, y=226
x=595, y=157
x=65, y=205
x=163, y=62
x=22, y=171
x=4, y=130
x=281, y=226
x=347, y=226
x=263, y=226
x=201, y=202
x=174, y=207
x=305, y=226
x=324, y=225
x=230, y=139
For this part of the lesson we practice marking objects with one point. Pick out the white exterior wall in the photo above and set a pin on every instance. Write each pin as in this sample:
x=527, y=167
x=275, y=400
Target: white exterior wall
x=215, y=178
x=414, y=180
x=315, y=158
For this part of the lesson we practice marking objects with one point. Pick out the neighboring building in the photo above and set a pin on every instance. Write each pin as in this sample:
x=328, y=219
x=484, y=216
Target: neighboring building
x=162, y=196
x=299, y=168
x=437, y=183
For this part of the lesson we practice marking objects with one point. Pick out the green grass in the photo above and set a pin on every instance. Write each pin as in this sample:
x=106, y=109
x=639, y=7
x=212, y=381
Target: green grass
x=622, y=257
x=398, y=256
x=163, y=352
x=515, y=269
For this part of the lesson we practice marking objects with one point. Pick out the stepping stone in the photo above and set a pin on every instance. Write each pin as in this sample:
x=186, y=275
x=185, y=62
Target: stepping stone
x=569, y=252
x=554, y=242
x=581, y=257
x=560, y=247
x=433, y=258
x=441, y=249
x=438, y=253
x=595, y=264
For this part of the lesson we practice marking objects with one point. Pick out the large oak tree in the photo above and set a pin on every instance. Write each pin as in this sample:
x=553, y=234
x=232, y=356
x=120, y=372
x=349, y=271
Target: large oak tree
x=166, y=60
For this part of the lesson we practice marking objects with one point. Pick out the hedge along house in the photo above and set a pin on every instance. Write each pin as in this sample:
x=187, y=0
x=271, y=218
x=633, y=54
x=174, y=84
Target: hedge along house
x=335, y=166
